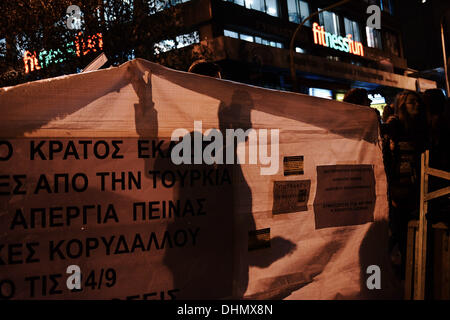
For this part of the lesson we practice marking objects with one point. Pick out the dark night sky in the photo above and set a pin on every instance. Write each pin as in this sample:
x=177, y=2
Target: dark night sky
x=421, y=31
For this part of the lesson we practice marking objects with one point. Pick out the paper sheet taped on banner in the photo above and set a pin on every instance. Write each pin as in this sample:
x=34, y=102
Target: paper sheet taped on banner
x=290, y=196
x=345, y=195
x=293, y=165
x=258, y=239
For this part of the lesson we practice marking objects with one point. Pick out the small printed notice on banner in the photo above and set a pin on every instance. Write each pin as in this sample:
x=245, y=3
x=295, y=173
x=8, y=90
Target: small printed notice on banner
x=293, y=165
x=345, y=195
x=290, y=196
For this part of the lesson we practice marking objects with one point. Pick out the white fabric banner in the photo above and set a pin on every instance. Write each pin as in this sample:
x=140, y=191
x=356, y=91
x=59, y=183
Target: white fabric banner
x=86, y=179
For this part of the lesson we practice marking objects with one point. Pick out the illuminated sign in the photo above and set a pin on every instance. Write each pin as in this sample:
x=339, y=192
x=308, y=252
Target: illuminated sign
x=336, y=42
x=340, y=96
x=92, y=43
x=377, y=102
x=79, y=48
x=377, y=98
x=30, y=59
x=321, y=93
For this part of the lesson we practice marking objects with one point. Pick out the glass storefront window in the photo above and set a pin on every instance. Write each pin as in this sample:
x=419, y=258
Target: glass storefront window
x=164, y=46
x=255, y=5
x=373, y=38
x=352, y=27
x=180, y=41
x=330, y=21
x=321, y=93
x=298, y=11
x=272, y=7
x=246, y=37
x=231, y=34
x=185, y=40
x=251, y=38
x=267, y=6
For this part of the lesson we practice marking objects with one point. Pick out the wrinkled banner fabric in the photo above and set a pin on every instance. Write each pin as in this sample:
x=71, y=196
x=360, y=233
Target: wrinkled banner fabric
x=87, y=185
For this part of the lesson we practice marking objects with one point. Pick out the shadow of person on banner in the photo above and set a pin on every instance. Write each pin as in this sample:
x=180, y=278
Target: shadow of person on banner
x=202, y=226
x=378, y=279
x=251, y=247
x=212, y=257
x=145, y=114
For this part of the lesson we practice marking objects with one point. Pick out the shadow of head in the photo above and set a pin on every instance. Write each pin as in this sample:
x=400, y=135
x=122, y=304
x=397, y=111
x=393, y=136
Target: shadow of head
x=146, y=116
x=237, y=114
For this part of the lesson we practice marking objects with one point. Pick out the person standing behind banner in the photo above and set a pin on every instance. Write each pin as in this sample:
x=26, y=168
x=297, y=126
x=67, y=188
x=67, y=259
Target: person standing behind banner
x=359, y=96
x=205, y=68
x=388, y=111
x=404, y=142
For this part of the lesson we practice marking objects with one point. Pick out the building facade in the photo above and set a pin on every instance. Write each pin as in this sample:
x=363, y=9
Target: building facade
x=335, y=50
x=250, y=39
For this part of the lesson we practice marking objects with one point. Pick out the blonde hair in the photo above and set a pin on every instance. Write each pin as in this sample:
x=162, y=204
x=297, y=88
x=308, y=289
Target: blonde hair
x=413, y=125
